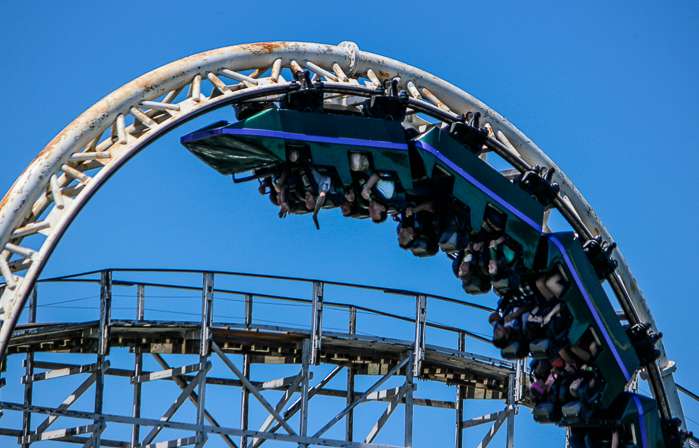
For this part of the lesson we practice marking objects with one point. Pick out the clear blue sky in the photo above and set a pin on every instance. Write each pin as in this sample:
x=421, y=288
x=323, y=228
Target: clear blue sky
x=609, y=92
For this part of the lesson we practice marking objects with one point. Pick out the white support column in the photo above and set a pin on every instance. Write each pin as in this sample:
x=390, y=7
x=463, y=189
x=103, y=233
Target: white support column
x=511, y=403
x=245, y=402
x=245, y=394
x=306, y=359
x=138, y=369
x=420, y=327
x=520, y=372
x=460, y=392
x=105, y=313
x=207, y=312
x=29, y=372
x=248, y=310
x=103, y=346
x=207, y=316
x=409, y=402
x=349, y=419
x=317, y=322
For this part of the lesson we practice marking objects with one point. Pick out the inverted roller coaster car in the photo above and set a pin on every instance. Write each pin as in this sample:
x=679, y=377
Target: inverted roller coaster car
x=501, y=217
x=590, y=310
x=479, y=186
x=633, y=418
x=261, y=141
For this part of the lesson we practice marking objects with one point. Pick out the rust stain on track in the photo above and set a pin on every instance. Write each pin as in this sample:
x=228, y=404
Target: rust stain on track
x=265, y=47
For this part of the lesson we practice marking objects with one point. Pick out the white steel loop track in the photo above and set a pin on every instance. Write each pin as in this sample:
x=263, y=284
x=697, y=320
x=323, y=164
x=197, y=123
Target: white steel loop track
x=71, y=168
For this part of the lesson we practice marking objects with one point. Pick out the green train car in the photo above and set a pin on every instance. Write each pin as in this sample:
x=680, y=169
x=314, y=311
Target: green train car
x=479, y=186
x=590, y=310
x=634, y=419
x=261, y=141
x=260, y=144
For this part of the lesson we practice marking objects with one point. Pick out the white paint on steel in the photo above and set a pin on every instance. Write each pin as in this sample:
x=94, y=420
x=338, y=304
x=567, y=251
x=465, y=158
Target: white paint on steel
x=45, y=188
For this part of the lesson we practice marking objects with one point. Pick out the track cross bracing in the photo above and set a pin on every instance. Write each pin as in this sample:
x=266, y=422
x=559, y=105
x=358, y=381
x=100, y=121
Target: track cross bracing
x=248, y=343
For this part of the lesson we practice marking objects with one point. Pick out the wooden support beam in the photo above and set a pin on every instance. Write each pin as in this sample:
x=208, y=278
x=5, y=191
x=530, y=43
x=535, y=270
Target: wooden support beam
x=511, y=403
x=409, y=402
x=460, y=392
x=60, y=433
x=166, y=374
x=29, y=371
x=138, y=368
x=102, y=351
x=482, y=419
x=60, y=373
x=420, y=329
x=69, y=439
x=316, y=322
x=173, y=443
x=188, y=426
x=281, y=382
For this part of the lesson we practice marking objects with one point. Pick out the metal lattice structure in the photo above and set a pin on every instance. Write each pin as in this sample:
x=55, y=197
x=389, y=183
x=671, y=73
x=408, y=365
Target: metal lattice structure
x=213, y=341
x=71, y=168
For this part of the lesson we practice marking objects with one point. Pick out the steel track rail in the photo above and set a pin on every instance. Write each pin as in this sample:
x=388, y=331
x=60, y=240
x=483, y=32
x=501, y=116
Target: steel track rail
x=77, y=338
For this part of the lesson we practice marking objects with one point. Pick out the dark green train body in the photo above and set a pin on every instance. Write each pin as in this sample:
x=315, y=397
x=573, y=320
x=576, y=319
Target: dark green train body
x=591, y=310
x=478, y=186
x=260, y=143
x=635, y=417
